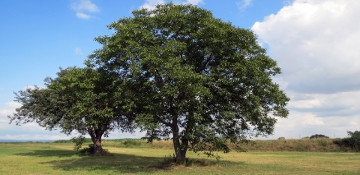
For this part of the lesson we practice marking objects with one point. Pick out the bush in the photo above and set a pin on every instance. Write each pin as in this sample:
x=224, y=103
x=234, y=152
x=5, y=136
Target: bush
x=90, y=150
x=352, y=142
x=319, y=136
x=131, y=143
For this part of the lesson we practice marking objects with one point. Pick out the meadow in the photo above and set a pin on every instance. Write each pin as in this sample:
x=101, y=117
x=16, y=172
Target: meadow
x=139, y=157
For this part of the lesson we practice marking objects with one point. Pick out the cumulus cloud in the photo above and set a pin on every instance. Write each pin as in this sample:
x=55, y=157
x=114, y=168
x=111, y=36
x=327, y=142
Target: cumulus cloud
x=82, y=7
x=315, y=42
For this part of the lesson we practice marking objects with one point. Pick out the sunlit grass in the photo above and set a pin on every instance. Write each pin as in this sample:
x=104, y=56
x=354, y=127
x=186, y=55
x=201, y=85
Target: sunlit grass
x=59, y=158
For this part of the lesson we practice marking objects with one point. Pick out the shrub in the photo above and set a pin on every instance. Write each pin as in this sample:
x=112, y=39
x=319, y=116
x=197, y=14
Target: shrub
x=318, y=136
x=130, y=143
x=322, y=142
x=90, y=150
x=353, y=141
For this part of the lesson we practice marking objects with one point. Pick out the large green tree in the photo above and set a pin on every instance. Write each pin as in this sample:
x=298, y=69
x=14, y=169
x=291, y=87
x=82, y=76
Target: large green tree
x=84, y=100
x=195, y=78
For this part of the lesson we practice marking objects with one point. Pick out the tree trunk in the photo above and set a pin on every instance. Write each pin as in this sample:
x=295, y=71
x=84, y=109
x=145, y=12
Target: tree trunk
x=97, y=146
x=180, y=148
x=96, y=139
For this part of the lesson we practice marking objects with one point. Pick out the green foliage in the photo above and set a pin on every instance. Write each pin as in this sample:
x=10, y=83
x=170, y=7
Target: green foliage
x=317, y=136
x=78, y=142
x=353, y=141
x=84, y=100
x=193, y=76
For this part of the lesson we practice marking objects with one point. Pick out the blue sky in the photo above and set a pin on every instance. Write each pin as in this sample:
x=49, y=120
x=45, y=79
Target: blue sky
x=315, y=42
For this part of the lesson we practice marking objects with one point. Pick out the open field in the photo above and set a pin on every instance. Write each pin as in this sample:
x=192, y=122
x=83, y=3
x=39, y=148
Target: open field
x=59, y=158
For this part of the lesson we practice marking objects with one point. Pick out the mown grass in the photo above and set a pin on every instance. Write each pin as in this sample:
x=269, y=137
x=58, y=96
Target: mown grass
x=59, y=158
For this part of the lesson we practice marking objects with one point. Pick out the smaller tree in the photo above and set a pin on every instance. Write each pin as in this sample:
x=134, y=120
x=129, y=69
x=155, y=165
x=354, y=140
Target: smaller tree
x=79, y=99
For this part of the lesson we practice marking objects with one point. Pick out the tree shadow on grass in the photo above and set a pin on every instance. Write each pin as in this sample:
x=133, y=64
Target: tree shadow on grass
x=112, y=163
x=49, y=153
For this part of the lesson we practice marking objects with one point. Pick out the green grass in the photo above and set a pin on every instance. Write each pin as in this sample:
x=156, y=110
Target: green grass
x=59, y=158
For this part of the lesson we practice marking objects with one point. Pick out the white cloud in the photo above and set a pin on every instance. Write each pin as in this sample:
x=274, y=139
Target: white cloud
x=315, y=42
x=13, y=105
x=82, y=6
x=299, y=125
x=151, y=4
x=13, y=132
x=194, y=2
x=10, y=109
x=244, y=4
x=287, y=2
x=82, y=15
x=34, y=137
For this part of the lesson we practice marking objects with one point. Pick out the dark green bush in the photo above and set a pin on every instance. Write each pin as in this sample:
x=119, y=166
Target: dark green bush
x=90, y=150
x=318, y=136
x=133, y=143
x=353, y=141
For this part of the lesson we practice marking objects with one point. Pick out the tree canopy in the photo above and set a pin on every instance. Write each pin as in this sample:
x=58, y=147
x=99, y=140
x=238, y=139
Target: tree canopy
x=193, y=77
x=84, y=100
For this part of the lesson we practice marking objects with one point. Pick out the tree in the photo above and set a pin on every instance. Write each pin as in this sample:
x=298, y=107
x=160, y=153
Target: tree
x=79, y=99
x=195, y=78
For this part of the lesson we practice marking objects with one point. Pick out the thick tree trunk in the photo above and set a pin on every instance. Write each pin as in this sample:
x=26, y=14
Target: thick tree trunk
x=180, y=148
x=96, y=139
x=97, y=146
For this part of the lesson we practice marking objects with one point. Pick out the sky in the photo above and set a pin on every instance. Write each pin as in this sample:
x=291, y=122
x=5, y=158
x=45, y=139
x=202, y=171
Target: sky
x=315, y=42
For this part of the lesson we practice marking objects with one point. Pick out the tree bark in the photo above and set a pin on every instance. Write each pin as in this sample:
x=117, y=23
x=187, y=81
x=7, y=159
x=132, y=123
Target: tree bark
x=180, y=148
x=96, y=139
x=97, y=146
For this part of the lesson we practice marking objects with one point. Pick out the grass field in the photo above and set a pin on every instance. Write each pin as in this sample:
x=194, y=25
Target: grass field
x=59, y=158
